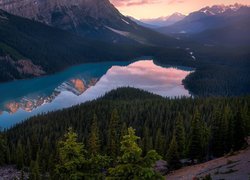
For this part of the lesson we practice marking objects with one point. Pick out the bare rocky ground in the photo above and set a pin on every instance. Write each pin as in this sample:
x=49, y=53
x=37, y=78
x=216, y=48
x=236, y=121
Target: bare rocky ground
x=11, y=173
x=231, y=167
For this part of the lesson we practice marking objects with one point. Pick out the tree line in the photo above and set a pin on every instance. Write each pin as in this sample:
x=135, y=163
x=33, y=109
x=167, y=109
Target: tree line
x=198, y=129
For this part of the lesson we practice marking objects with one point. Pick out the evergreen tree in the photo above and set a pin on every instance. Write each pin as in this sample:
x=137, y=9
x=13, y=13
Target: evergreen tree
x=180, y=135
x=113, y=134
x=34, y=170
x=124, y=130
x=173, y=154
x=246, y=118
x=195, y=148
x=44, y=156
x=20, y=155
x=131, y=164
x=147, y=141
x=239, y=131
x=93, y=140
x=71, y=157
x=3, y=149
x=230, y=130
x=205, y=137
x=159, y=142
x=28, y=153
x=219, y=129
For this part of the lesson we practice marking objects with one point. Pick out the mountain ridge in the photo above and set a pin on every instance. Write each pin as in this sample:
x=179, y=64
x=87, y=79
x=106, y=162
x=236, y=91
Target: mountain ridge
x=164, y=20
x=207, y=18
x=88, y=18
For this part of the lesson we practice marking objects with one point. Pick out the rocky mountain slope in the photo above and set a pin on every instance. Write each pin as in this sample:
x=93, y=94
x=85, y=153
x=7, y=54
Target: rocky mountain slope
x=97, y=19
x=164, y=21
x=29, y=48
x=217, y=16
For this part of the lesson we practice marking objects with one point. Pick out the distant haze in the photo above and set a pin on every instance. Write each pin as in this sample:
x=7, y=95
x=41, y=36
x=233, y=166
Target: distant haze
x=144, y=9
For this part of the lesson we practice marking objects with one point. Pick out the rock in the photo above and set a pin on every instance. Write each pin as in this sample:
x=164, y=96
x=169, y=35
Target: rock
x=161, y=166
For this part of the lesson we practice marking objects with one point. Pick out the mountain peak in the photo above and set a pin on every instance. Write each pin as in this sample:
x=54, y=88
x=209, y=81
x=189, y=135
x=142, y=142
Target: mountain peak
x=164, y=20
x=218, y=9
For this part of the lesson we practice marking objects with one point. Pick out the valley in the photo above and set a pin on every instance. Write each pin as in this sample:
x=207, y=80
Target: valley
x=99, y=89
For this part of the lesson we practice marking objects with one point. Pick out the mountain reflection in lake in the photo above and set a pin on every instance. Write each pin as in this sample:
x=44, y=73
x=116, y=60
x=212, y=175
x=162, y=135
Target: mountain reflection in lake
x=86, y=82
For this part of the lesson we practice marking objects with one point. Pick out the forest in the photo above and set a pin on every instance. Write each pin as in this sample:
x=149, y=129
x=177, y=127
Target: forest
x=127, y=130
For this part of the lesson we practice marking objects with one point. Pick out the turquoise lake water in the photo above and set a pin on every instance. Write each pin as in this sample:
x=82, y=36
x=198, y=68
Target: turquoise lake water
x=22, y=99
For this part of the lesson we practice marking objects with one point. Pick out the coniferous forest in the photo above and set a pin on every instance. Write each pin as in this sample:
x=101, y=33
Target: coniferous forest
x=124, y=133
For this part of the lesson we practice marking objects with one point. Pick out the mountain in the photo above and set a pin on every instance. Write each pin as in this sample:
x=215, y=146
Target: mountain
x=29, y=48
x=164, y=21
x=208, y=18
x=96, y=19
x=142, y=23
x=235, y=33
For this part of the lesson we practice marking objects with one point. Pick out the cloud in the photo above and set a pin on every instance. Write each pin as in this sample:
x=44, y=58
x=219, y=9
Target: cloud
x=176, y=1
x=119, y=3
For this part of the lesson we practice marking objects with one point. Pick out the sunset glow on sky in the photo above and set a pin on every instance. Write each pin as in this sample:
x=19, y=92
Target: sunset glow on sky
x=157, y=8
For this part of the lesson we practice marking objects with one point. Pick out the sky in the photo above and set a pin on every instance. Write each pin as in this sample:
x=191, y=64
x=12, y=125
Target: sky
x=146, y=9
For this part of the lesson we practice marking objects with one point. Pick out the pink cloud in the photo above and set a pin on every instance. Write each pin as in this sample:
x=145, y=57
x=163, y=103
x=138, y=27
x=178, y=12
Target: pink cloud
x=176, y=1
x=119, y=3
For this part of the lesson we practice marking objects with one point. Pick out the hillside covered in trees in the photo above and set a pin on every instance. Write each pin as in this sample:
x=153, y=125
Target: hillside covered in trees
x=197, y=129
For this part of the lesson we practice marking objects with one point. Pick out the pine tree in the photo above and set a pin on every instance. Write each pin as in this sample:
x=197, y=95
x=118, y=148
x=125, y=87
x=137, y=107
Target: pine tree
x=159, y=142
x=180, y=135
x=34, y=170
x=147, y=141
x=230, y=130
x=131, y=164
x=173, y=154
x=28, y=153
x=217, y=135
x=71, y=157
x=195, y=148
x=113, y=134
x=124, y=130
x=3, y=149
x=45, y=154
x=19, y=155
x=239, y=131
x=93, y=140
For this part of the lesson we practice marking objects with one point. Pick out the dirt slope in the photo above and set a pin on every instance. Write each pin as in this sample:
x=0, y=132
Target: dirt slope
x=234, y=167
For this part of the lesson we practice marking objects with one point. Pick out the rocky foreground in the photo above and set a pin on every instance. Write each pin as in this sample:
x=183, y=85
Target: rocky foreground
x=11, y=173
x=235, y=166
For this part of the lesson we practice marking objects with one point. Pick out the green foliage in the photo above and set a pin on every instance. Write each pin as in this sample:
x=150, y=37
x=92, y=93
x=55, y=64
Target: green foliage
x=195, y=149
x=71, y=157
x=93, y=140
x=34, y=171
x=20, y=155
x=131, y=165
x=173, y=154
x=180, y=135
x=113, y=133
x=239, y=131
x=152, y=116
x=3, y=149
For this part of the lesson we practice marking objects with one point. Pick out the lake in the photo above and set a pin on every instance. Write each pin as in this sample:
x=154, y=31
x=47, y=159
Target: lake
x=22, y=99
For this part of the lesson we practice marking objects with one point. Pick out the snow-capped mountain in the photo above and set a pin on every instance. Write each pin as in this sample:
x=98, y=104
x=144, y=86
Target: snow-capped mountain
x=164, y=21
x=208, y=18
x=219, y=9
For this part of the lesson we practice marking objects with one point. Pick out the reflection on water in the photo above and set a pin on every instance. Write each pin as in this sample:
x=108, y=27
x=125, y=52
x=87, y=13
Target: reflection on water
x=86, y=82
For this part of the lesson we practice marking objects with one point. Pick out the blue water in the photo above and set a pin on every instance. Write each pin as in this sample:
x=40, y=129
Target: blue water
x=22, y=99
